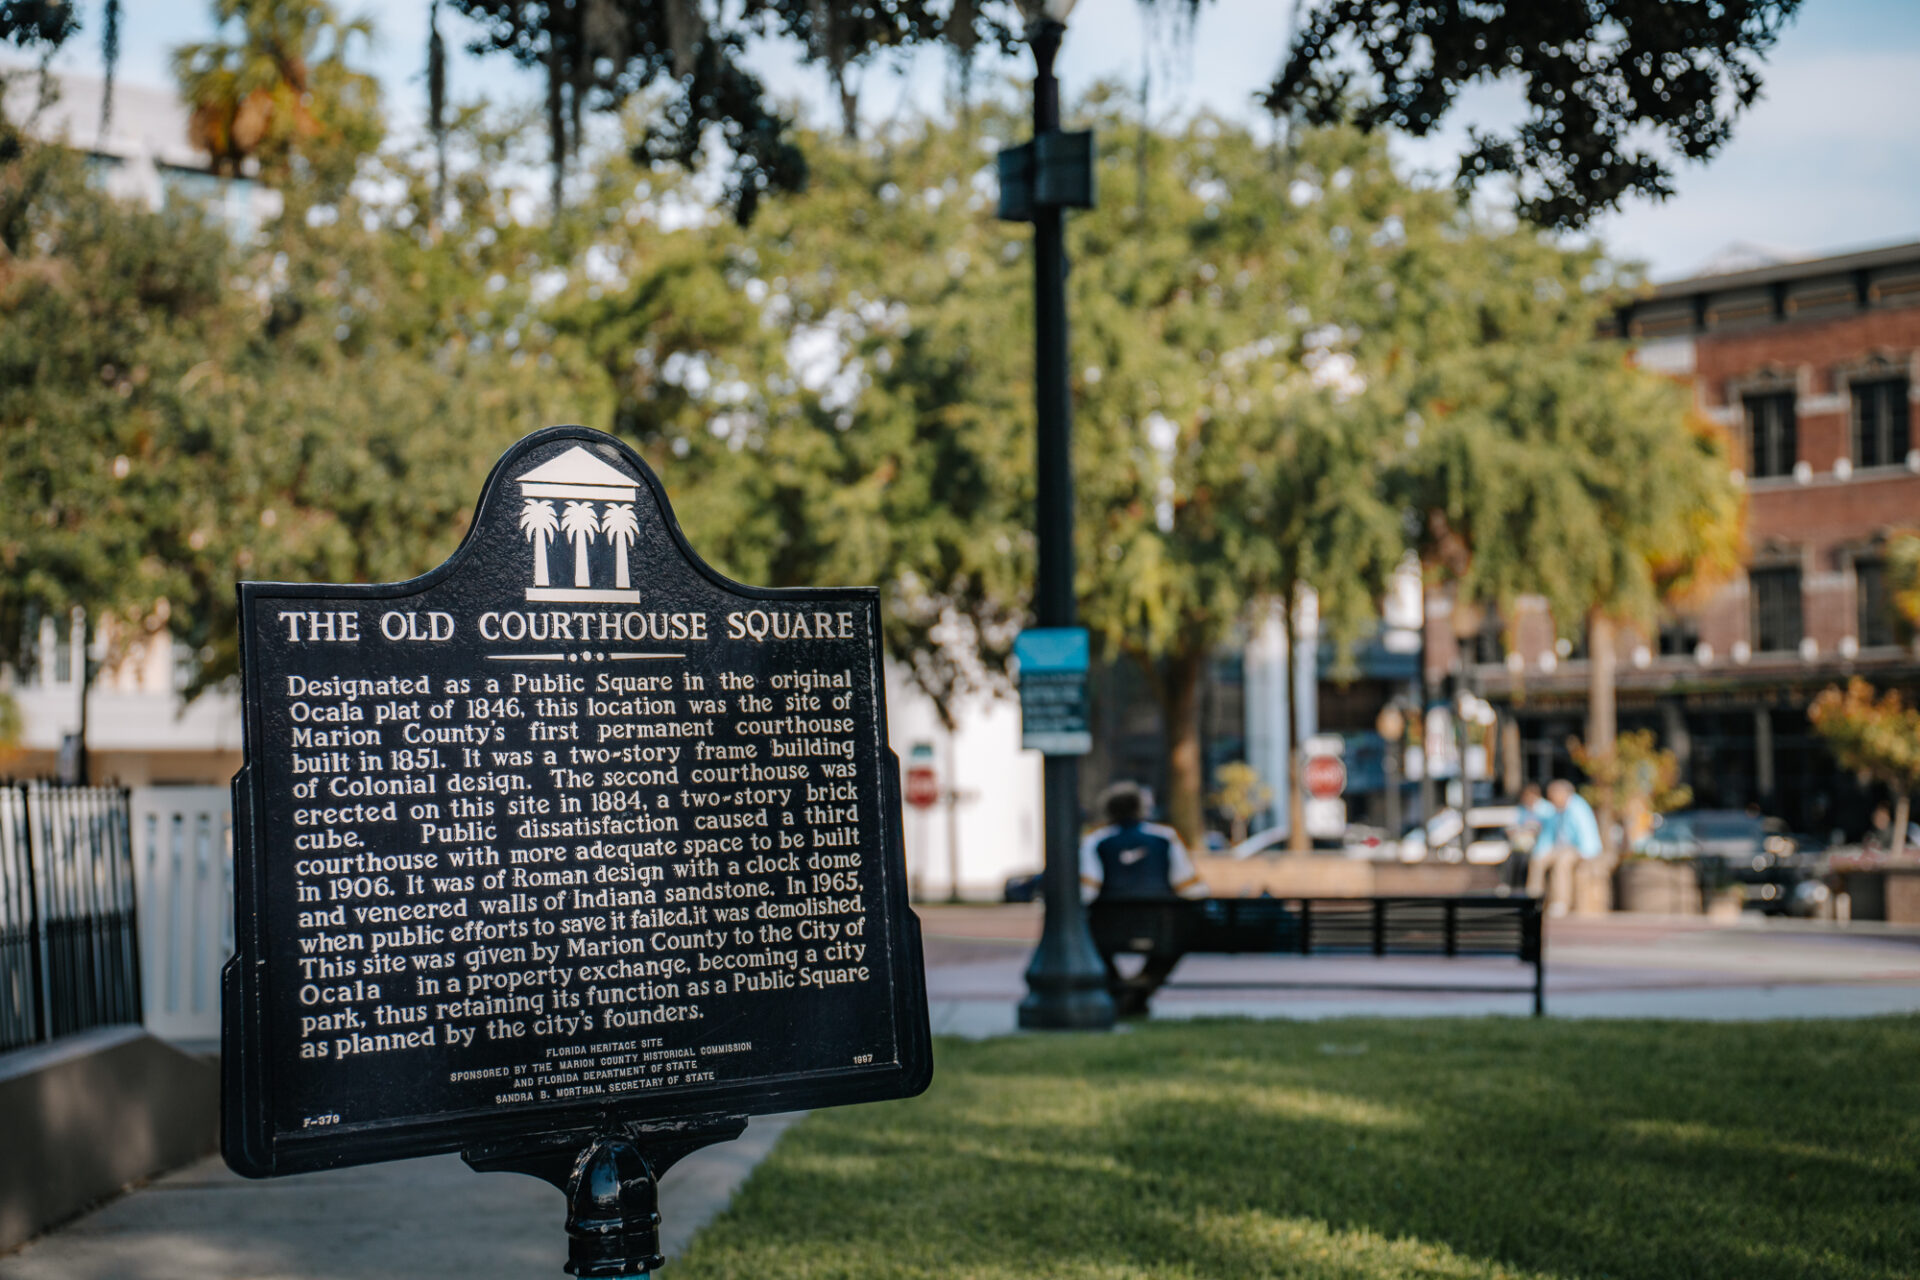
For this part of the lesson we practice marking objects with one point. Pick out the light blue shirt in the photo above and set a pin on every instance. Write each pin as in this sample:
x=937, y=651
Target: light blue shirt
x=1574, y=827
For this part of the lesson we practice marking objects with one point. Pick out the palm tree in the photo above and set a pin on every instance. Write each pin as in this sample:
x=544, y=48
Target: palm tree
x=577, y=521
x=621, y=527
x=282, y=89
x=539, y=523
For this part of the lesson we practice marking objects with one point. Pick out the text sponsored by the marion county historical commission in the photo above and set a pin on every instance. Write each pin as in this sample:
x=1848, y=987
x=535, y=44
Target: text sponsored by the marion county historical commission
x=562, y=873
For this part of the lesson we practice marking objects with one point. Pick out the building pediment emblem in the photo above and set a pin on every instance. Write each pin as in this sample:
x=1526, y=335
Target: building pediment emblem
x=579, y=499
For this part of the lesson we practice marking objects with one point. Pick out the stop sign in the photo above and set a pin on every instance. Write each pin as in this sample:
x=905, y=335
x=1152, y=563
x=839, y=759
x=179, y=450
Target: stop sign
x=923, y=787
x=1324, y=777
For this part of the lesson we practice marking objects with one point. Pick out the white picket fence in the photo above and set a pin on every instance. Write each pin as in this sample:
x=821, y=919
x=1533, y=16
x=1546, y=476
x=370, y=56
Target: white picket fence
x=183, y=873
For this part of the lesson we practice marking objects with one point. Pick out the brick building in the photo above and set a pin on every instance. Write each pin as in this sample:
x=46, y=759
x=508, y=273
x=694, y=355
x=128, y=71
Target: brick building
x=1811, y=367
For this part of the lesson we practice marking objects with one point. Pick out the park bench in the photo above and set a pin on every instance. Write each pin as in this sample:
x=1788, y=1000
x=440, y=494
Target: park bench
x=1164, y=930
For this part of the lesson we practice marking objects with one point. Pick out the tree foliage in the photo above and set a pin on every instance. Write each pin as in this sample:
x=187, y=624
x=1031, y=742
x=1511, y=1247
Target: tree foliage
x=1903, y=577
x=1634, y=777
x=38, y=24
x=1264, y=339
x=1242, y=796
x=178, y=412
x=820, y=391
x=281, y=91
x=1876, y=736
x=1615, y=90
x=1279, y=350
x=103, y=312
x=1550, y=466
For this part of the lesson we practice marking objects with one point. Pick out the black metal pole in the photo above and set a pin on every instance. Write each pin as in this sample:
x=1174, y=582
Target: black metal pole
x=1391, y=766
x=1066, y=983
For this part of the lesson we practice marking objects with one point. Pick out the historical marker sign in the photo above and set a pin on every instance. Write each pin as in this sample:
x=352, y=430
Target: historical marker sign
x=569, y=831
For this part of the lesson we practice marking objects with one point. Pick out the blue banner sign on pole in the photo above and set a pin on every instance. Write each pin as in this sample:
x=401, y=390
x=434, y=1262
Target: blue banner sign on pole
x=1051, y=664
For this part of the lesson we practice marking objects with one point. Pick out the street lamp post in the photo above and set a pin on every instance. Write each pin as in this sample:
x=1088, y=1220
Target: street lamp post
x=1066, y=982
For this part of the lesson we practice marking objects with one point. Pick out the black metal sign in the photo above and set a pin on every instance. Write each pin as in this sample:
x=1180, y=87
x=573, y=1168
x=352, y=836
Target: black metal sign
x=568, y=834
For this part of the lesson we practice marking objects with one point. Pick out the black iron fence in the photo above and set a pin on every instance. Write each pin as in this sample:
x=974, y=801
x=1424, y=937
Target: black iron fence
x=69, y=943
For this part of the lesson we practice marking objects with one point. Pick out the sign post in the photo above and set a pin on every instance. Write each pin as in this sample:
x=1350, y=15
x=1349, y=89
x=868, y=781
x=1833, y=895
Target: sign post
x=1066, y=981
x=1323, y=774
x=923, y=784
x=569, y=855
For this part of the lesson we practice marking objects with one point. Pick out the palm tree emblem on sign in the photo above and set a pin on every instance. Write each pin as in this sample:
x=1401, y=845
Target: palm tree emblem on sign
x=578, y=522
x=539, y=523
x=582, y=494
x=621, y=527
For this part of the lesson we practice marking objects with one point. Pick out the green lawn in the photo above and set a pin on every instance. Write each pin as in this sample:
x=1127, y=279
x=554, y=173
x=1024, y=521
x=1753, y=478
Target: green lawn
x=1445, y=1148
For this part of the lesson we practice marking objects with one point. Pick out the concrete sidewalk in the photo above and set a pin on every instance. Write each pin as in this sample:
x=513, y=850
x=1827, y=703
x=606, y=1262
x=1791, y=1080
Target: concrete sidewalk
x=417, y=1218
x=1620, y=966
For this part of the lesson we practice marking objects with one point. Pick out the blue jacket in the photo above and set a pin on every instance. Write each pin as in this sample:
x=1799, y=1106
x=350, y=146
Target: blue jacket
x=1137, y=860
x=1574, y=827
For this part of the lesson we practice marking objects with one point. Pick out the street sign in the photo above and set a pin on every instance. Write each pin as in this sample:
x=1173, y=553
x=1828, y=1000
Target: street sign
x=1326, y=819
x=1325, y=777
x=1052, y=670
x=923, y=787
x=570, y=837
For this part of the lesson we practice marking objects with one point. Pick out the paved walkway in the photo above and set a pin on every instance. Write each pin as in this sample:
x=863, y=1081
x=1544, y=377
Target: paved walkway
x=1617, y=966
x=424, y=1219
x=435, y=1218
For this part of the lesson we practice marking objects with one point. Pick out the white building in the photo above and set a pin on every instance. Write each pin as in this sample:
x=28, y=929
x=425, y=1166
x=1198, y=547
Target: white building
x=987, y=826
x=143, y=153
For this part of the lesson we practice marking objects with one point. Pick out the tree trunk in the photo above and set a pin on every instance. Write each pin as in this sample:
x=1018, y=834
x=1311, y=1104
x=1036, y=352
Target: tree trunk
x=437, y=115
x=849, y=105
x=1298, y=841
x=83, y=776
x=1176, y=683
x=1601, y=720
x=1902, y=813
x=556, y=121
x=952, y=798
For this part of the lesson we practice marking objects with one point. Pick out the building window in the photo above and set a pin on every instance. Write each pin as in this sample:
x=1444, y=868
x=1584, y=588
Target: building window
x=1679, y=637
x=1776, y=609
x=62, y=654
x=1876, y=611
x=1881, y=436
x=1489, y=644
x=1772, y=443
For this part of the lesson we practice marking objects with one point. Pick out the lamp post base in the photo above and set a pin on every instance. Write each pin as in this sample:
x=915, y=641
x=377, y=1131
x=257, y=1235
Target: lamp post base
x=1066, y=982
x=1068, y=1006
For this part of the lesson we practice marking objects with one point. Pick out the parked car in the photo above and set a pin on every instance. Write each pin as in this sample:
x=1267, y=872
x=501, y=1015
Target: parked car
x=1356, y=841
x=1779, y=872
x=1439, y=839
x=1022, y=888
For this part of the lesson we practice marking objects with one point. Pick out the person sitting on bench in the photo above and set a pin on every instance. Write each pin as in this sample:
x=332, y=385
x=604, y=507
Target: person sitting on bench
x=1133, y=859
x=1569, y=840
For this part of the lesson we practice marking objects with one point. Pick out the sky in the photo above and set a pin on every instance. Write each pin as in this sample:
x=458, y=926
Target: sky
x=1828, y=161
